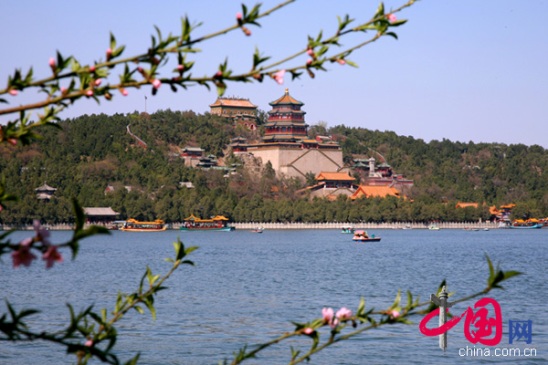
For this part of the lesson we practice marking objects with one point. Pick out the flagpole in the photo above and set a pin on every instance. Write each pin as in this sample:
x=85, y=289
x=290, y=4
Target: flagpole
x=145, y=104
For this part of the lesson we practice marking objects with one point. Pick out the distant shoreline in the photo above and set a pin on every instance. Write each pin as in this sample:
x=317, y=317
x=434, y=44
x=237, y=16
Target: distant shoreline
x=296, y=226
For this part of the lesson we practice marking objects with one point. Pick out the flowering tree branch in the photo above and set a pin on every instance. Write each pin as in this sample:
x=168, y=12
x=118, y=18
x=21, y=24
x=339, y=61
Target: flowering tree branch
x=344, y=318
x=93, y=334
x=72, y=80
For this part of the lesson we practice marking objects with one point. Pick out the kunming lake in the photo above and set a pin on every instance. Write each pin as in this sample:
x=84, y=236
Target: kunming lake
x=246, y=288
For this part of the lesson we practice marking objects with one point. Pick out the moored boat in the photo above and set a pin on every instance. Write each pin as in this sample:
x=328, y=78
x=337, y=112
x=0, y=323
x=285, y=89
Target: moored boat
x=531, y=223
x=257, y=230
x=362, y=236
x=133, y=225
x=217, y=223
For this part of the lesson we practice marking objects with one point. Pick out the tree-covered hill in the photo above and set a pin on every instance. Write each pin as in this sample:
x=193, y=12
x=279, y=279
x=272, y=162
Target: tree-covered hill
x=92, y=152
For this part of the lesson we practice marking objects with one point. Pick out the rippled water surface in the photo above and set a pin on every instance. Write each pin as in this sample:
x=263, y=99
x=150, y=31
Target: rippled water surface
x=246, y=288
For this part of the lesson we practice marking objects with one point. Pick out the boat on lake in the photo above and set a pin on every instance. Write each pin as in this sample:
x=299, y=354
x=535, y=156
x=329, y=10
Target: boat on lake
x=526, y=224
x=258, y=230
x=133, y=225
x=217, y=223
x=362, y=236
x=347, y=229
x=433, y=227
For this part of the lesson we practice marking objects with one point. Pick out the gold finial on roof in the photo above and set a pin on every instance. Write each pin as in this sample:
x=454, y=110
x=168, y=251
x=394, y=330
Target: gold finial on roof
x=286, y=90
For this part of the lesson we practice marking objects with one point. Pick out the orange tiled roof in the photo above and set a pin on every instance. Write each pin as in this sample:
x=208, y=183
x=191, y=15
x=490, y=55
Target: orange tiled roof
x=464, y=205
x=375, y=191
x=241, y=103
x=286, y=99
x=493, y=210
x=337, y=176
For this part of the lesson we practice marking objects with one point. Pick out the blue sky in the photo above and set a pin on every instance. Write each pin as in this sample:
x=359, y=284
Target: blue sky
x=463, y=70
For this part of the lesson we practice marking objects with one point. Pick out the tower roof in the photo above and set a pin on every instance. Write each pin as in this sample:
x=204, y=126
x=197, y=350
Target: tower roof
x=286, y=99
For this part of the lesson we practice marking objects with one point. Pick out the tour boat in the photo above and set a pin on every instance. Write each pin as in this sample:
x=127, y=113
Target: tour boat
x=258, y=230
x=133, y=225
x=217, y=223
x=362, y=236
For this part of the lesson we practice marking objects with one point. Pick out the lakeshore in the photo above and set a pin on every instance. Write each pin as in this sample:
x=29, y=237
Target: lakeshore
x=300, y=225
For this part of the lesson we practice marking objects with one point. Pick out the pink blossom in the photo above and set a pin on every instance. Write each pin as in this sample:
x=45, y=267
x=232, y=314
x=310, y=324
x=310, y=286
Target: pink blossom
x=13, y=92
x=156, y=83
x=394, y=313
x=109, y=54
x=52, y=63
x=341, y=61
x=51, y=256
x=279, y=76
x=89, y=343
x=310, y=52
x=22, y=256
x=42, y=234
x=123, y=91
x=97, y=82
x=391, y=18
x=308, y=331
x=327, y=314
x=180, y=68
x=89, y=92
x=92, y=68
x=344, y=313
x=239, y=16
x=309, y=61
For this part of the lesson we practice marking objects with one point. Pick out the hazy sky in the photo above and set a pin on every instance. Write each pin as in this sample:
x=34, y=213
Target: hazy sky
x=463, y=70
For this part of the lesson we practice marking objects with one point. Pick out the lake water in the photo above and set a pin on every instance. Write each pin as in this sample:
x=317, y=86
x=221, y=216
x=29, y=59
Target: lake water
x=246, y=288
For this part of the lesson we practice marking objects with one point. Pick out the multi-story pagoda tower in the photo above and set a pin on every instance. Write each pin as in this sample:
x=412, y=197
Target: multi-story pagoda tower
x=287, y=147
x=285, y=121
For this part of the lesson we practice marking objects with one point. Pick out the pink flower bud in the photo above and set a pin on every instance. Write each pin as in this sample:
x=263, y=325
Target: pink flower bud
x=344, y=313
x=89, y=93
x=123, y=91
x=246, y=31
x=341, y=61
x=310, y=52
x=391, y=18
x=13, y=92
x=394, y=314
x=52, y=62
x=88, y=343
x=279, y=76
x=51, y=256
x=180, y=68
x=308, y=331
x=97, y=82
x=156, y=83
x=109, y=53
x=64, y=90
x=92, y=68
x=218, y=75
x=327, y=314
x=309, y=61
x=239, y=16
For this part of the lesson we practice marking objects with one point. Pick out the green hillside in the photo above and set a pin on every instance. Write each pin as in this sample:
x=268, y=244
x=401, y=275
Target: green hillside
x=93, y=152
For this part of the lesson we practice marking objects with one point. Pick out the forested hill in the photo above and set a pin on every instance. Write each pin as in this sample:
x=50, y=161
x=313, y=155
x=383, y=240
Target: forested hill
x=92, y=152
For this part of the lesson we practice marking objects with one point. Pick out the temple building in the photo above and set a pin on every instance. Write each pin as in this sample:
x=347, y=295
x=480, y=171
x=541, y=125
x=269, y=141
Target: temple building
x=240, y=111
x=287, y=146
x=45, y=192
